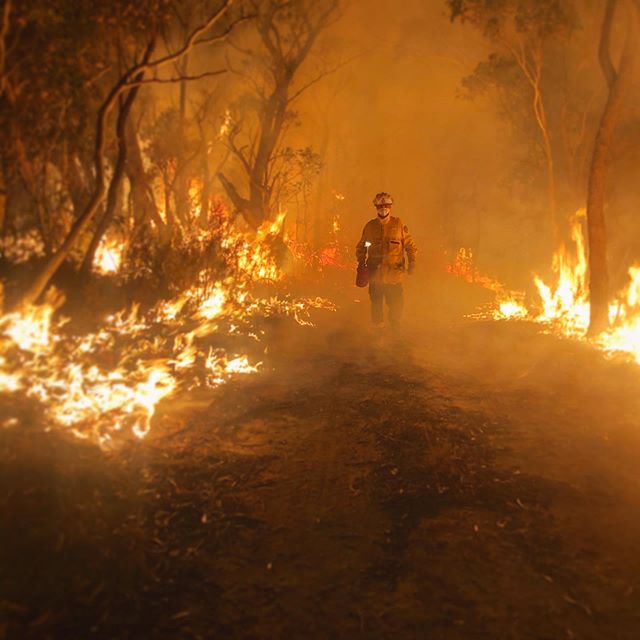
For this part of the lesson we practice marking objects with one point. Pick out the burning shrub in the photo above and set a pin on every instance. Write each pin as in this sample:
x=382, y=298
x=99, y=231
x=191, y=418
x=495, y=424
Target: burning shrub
x=105, y=384
x=563, y=305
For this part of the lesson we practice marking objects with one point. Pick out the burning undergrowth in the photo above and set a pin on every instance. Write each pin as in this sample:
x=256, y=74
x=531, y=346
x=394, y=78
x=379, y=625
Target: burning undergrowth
x=507, y=304
x=562, y=307
x=104, y=385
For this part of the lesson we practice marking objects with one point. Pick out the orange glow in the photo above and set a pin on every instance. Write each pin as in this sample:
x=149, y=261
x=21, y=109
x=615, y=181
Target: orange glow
x=108, y=257
x=563, y=305
x=150, y=356
x=508, y=304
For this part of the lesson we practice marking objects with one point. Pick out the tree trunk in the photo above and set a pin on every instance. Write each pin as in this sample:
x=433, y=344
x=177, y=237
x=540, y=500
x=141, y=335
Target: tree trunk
x=324, y=201
x=144, y=203
x=52, y=265
x=596, y=222
x=181, y=180
x=551, y=187
x=167, y=187
x=205, y=195
x=285, y=49
x=3, y=202
x=270, y=131
x=77, y=185
x=49, y=269
x=255, y=208
x=116, y=180
x=30, y=177
x=242, y=205
x=533, y=72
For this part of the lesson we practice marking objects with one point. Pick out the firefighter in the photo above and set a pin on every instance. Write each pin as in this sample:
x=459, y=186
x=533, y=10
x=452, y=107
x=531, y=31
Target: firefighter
x=381, y=249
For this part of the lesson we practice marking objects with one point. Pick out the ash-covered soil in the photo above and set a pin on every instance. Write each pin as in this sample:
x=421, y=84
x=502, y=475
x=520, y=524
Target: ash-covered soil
x=461, y=479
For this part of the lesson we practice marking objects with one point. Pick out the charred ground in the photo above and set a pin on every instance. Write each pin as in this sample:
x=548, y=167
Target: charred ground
x=461, y=480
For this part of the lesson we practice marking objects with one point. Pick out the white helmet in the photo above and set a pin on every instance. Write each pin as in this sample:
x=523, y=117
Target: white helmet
x=383, y=199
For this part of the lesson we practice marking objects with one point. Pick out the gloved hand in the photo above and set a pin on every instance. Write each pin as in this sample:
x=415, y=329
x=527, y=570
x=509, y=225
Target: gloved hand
x=411, y=267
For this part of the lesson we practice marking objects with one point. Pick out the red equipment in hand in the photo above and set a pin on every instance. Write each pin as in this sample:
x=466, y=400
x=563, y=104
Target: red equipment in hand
x=362, y=276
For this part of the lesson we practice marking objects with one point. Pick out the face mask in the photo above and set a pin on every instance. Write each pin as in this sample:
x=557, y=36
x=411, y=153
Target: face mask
x=383, y=212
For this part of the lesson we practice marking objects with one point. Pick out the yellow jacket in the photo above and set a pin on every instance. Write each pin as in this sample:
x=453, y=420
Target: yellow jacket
x=385, y=256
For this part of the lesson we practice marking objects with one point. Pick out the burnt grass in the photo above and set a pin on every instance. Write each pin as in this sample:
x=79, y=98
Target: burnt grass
x=332, y=496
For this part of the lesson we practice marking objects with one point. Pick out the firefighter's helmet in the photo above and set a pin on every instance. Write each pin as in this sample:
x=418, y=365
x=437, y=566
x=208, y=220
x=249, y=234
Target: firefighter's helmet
x=383, y=199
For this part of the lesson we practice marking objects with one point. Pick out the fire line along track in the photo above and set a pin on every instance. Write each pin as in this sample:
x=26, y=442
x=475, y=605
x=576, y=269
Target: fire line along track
x=462, y=480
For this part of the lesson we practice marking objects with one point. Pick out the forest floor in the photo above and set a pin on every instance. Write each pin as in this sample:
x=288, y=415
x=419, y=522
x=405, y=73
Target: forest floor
x=460, y=479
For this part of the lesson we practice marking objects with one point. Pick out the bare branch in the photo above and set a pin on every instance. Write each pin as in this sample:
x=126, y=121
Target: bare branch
x=265, y=22
x=240, y=203
x=94, y=79
x=247, y=52
x=191, y=41
x=238, y=152
x=206, y=74
x=313, y=31
x=604, y=50
x=224, y=35
x=324, y=74
x=257, y=88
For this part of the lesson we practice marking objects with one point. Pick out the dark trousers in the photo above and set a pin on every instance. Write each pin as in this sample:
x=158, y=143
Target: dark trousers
x=392, y=294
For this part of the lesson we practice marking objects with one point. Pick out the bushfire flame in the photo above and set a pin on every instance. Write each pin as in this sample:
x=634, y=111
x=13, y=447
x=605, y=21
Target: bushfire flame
x=566, y=305
x=509, y=304
x=563, y=306
x=108, y=256
x=109, y=382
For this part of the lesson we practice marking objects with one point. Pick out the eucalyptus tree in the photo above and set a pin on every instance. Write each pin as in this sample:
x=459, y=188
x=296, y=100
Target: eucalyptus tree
x=522, y=31
x=270, y=60
x=619, y=79
x=122, y=88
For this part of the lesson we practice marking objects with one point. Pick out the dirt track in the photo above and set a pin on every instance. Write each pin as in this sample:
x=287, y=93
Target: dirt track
x=464, y=480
